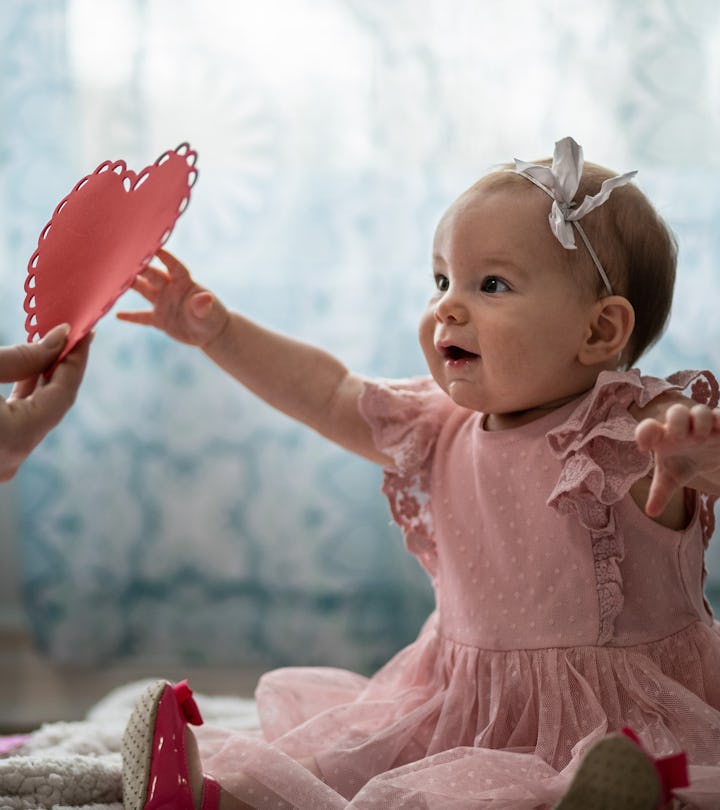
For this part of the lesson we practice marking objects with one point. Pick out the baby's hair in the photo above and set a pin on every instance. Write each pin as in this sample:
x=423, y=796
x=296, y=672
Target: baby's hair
x=636, y=247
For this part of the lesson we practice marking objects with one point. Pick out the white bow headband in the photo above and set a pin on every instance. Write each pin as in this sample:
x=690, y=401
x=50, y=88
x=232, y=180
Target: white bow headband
x=560, y=181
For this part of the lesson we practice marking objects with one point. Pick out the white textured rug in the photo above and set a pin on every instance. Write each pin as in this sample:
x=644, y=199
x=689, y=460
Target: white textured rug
x=66, y=766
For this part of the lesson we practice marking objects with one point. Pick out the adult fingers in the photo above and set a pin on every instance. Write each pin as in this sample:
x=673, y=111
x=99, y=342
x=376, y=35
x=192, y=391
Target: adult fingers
x=27, y=360
x=51, y=399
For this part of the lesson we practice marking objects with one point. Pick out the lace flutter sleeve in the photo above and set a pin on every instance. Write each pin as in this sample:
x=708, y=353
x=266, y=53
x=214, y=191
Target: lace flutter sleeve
x=405, y=417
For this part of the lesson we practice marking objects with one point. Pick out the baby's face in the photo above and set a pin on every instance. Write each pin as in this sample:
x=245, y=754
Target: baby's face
x=504, y=325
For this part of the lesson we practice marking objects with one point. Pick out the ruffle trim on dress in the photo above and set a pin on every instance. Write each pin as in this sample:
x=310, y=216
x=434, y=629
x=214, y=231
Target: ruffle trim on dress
x=601, y=461
x=405, y=418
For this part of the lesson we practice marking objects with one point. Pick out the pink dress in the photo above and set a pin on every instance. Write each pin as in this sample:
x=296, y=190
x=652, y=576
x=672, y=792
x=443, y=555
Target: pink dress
x=563, y=613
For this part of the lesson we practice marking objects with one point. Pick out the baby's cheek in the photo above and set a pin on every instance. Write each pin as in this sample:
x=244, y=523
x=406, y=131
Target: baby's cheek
x=426, y=335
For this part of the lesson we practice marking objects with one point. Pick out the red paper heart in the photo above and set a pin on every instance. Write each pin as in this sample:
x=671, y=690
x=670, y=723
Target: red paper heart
x=100, y=237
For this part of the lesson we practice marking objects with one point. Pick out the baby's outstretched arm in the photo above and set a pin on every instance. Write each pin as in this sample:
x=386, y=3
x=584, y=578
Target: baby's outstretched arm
x=685, y=441
x=302, y=381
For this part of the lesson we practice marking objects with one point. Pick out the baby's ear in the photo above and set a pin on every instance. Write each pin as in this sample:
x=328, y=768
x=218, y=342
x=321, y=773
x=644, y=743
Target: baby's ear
x=611, y=324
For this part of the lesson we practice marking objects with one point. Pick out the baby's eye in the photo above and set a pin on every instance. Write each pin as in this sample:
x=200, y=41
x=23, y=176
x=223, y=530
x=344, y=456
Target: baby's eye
x=442, y=282
x=493, y=284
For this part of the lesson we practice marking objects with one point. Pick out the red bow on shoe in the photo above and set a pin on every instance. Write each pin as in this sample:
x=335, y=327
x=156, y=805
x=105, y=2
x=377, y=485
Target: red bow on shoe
x=185, y=698
x=672, y=771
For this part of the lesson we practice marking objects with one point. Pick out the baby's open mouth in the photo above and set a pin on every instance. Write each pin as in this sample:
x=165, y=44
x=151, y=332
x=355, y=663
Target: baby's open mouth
x=457, y=353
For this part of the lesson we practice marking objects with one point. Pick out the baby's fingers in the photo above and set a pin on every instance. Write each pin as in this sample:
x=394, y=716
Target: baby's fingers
x=678, y=422
x=200, y=305
x=175, y=267
x=147, y=288
x=703, y=421
x=661, y=491
x=156, y=277
x=143, y=317
x=648, y=434
x=695, y=424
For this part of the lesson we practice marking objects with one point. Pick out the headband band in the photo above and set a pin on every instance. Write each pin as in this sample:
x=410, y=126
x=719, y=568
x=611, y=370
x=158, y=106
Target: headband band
x=560, y=182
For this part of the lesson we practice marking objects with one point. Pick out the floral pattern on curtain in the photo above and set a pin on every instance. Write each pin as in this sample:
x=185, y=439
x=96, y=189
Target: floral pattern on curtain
x=172, y=513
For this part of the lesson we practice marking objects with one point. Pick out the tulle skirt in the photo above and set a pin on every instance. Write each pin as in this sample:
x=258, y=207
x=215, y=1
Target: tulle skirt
x=448, y=726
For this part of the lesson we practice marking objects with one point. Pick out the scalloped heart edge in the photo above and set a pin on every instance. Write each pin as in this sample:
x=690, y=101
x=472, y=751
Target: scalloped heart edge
x=131, y=181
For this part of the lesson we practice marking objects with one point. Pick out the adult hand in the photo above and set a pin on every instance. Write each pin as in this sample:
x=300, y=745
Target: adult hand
x=36, y=404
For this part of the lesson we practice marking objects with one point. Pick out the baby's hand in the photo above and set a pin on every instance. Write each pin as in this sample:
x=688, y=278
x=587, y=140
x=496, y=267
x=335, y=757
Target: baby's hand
x=686, y=446
x=187, y=312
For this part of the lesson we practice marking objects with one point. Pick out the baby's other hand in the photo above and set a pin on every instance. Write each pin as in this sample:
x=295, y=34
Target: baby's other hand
x=185, y=310
x=686, y=446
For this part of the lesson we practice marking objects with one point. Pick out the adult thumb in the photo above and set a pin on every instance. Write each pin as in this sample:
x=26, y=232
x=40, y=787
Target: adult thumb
x=30, y=359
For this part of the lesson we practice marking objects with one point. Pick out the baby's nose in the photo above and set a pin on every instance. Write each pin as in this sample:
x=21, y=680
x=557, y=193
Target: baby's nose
x=450, y=308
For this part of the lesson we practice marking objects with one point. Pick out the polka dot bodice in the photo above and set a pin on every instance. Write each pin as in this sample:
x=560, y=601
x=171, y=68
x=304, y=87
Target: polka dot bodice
x=525, y=531
x=506, y=579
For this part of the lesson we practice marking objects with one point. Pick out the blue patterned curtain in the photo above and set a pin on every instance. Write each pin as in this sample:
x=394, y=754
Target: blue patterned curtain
x=172, y=513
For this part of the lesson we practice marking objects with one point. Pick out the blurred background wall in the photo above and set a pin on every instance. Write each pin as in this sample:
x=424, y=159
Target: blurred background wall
x=172, y=514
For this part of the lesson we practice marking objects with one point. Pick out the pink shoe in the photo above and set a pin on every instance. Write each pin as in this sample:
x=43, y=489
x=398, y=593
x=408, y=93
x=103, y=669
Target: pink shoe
x=155, y=770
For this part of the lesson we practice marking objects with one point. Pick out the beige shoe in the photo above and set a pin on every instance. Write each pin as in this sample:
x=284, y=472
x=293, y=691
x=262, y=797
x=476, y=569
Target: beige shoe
x=614, y=775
